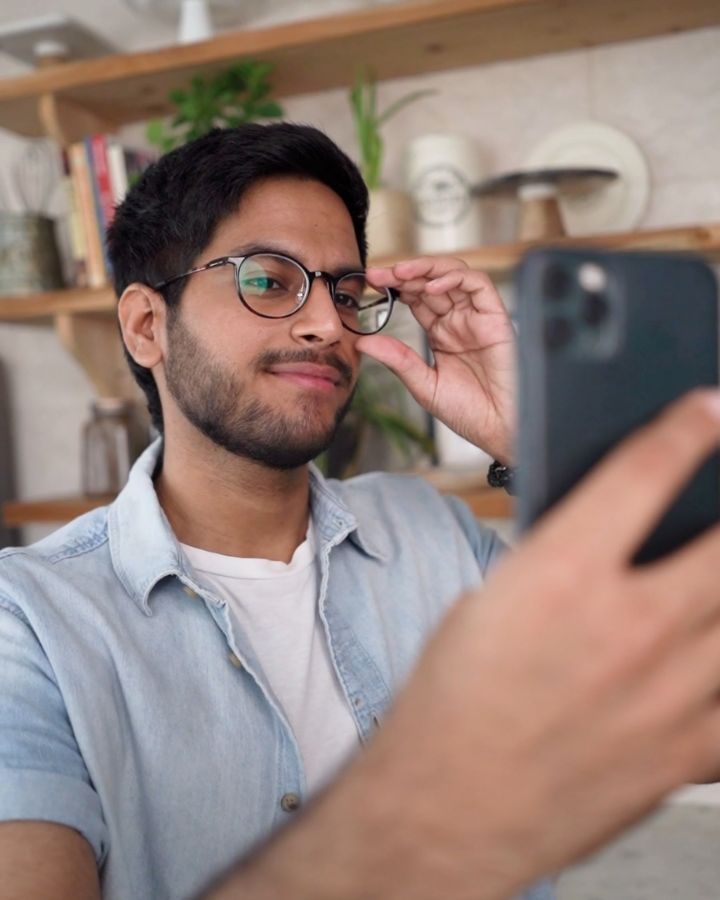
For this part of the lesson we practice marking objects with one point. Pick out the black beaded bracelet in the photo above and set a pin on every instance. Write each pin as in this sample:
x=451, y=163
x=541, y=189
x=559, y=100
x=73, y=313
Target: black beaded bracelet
x=501, y=476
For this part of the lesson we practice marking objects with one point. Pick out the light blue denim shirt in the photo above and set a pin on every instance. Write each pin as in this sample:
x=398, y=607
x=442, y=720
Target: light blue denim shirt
x=133, y=710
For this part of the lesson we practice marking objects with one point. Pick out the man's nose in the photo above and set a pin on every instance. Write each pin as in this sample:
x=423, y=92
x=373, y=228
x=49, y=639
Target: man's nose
x=318, y=320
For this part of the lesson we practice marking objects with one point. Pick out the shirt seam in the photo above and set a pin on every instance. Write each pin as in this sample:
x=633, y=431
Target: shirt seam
x=14, y=610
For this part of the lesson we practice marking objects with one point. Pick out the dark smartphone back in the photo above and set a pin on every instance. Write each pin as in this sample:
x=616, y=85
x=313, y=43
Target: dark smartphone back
x=606, y=340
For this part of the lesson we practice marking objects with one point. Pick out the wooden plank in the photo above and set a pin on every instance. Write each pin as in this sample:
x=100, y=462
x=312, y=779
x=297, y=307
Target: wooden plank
x=32, y=512
x=472, y=487
x=52, y=303
x=499, y=259
x=396, y=41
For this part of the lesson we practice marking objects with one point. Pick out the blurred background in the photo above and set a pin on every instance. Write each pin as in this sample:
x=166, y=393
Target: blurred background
x=481, y=126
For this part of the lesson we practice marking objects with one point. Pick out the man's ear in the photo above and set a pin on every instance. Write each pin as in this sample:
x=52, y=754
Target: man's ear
x=143, y=314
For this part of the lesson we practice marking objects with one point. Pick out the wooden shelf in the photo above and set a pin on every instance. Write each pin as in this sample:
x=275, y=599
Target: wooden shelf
x=500, y=259
x=56, y=303
x=485, y=502
x=395, y=41
x=34, y=512
x=497, y=260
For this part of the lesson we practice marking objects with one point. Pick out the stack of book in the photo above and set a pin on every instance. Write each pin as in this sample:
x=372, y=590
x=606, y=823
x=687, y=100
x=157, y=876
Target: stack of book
x=98, y=172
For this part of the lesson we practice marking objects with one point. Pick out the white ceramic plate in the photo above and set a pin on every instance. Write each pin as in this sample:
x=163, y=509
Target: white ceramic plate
x=618, y=206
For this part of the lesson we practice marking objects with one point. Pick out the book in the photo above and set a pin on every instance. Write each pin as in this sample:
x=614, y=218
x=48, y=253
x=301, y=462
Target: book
x=96, y=150
x=76, y=228
x=117, y=168
x=100, y=170
x=82, y=180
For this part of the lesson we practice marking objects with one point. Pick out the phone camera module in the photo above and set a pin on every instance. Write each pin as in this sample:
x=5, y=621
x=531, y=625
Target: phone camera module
x=595, y=309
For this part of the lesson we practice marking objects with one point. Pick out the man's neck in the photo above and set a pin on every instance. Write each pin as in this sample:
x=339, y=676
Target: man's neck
x=222, y=503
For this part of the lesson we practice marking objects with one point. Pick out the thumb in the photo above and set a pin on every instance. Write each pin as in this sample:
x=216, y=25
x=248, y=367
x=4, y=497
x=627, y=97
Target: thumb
x=417, y=376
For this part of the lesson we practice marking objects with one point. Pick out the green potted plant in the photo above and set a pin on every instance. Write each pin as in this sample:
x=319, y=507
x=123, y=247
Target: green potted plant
x=390, y=225
x=230, y=98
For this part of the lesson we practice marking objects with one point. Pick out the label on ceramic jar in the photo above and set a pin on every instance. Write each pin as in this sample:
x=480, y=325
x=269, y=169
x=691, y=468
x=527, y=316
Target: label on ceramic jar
x=441, y=196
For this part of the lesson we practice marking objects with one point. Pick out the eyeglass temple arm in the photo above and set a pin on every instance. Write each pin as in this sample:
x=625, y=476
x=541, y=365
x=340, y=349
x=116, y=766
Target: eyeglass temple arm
x=213, y=264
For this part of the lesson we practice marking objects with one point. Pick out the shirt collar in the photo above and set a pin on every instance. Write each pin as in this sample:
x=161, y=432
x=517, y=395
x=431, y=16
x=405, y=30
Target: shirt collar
x=144, y=548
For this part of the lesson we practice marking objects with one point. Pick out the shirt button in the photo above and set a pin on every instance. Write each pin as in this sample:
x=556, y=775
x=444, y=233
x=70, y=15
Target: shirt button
x=290, y=802
x=235, y=661
x=189, y=591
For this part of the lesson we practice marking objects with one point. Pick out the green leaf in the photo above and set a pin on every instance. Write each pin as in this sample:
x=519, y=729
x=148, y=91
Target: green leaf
x=395, y=107
x=155, y=132
x=269, y=111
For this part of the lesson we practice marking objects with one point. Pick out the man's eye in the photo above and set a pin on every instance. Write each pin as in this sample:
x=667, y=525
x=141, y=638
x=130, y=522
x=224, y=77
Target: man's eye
x=347, y=301
x=261, y=284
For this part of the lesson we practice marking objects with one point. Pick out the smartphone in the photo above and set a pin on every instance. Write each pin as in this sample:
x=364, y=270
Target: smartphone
x=605, y=341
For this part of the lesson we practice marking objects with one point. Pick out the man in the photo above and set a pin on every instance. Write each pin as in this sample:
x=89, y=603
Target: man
x=193, y=663
x=187, y=667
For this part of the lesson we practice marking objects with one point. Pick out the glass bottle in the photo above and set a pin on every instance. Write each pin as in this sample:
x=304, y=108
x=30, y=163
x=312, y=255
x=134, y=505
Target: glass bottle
x=112, y=440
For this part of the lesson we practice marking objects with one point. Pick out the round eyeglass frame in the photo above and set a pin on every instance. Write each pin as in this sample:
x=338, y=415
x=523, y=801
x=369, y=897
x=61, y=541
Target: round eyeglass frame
x=309, y=277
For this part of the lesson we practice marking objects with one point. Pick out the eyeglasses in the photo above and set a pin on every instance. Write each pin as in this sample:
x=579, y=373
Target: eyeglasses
x=275, y=286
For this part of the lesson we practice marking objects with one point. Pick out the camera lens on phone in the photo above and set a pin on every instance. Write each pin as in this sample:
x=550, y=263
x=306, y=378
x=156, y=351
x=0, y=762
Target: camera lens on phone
x=556, y=283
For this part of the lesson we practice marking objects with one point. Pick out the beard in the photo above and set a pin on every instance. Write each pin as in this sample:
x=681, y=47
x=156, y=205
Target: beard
x=215, y=400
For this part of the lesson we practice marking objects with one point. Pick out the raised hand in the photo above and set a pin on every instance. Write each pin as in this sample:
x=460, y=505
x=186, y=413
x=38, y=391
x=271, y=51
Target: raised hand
x=471, y=386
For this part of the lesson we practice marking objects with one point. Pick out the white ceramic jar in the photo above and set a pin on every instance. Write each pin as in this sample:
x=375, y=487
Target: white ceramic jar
x=441, y=171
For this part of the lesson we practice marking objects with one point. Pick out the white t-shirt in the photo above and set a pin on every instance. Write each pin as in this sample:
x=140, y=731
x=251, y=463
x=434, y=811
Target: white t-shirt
x=275, y=605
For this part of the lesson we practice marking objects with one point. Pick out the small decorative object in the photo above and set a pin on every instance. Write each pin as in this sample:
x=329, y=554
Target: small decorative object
x=230, y=98
x=389, y=225
x=29, y=257
x=112, y=441
x=617, y=206
x=441, y=172
x=539, y=193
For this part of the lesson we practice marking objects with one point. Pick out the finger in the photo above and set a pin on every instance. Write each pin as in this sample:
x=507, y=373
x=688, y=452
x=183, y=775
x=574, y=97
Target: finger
x=427, y=267
x=689, y=582
x=610, y=514
x=417, y=376
x=465, y=284
x=422, y=313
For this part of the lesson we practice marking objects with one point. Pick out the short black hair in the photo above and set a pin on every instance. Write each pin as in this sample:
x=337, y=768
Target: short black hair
x=171, y=214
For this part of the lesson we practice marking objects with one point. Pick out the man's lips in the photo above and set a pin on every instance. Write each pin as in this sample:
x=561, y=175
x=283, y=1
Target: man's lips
x=310, y=375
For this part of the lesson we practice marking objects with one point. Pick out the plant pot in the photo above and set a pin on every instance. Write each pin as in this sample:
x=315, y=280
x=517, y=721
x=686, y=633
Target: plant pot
x=390, y=226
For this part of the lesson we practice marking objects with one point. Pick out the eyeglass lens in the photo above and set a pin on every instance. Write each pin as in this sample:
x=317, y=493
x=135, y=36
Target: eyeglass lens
x=273, y=286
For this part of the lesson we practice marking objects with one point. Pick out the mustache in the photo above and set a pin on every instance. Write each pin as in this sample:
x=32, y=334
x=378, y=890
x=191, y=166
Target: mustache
x=272, y=357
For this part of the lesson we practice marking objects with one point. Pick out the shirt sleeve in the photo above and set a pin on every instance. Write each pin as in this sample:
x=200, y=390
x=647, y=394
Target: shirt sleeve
x=42, y=773
x=487, y=545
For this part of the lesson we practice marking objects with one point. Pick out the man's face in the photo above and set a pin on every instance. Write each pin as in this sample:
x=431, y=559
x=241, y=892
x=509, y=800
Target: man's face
x=273, y=390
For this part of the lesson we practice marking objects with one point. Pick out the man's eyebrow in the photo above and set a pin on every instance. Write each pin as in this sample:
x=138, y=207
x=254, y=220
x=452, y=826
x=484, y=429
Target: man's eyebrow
x=247, y=249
